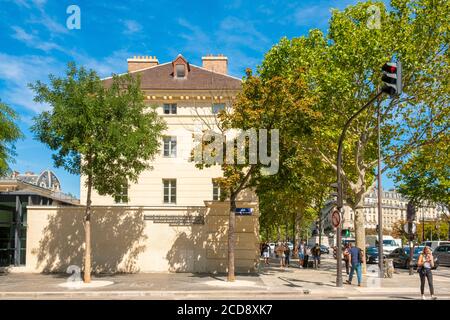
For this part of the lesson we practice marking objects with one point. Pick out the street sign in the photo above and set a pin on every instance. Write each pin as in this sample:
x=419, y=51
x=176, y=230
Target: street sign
x=413, y=228
x=243, y=211
x=335, y=218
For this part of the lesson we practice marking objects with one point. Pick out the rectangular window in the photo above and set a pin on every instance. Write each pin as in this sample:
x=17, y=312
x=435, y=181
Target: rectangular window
x=170, y=108
x=122, y=196
x=216, y=190
x=217, y=107
x=180, y=70
x=170, y=190
x=170, y=147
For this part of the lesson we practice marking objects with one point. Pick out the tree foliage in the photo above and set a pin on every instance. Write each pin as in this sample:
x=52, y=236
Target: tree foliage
x=343, y=71
x=105, y=133
x=9, y=134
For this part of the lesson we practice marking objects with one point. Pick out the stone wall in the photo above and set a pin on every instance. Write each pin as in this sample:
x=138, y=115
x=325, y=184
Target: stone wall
x=130, y=239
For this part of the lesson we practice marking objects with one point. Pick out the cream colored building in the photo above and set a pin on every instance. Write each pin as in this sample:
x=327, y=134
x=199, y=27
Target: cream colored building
x=393, y=210
x=171, y=219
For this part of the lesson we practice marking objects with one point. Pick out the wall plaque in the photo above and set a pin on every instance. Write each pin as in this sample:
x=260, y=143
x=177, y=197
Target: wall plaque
x=175, y=220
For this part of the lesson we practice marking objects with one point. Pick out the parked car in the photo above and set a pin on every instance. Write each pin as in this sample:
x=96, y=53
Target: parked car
x=401, y=258
x=434, y=244
x=442, y=255
x=291, y=246
x=372, y=254
x=324, y=249
x=389, y=245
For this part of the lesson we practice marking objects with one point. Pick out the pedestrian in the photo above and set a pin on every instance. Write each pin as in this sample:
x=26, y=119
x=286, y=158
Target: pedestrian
x=355, y=263
x=280, y=253
x=307, y=255
x=347, y=258
x=424, y=265
x=301, y=254
x=265, y=252
x=287, y=255
x=316, y=255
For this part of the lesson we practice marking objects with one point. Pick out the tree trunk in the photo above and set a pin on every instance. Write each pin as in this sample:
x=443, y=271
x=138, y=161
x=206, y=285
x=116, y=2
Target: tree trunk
x=294, y=218
x=231, y=228
x=87, y=230
x=360, y=232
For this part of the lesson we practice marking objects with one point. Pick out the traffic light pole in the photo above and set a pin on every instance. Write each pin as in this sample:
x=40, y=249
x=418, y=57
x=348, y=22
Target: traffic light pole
x=380, y=213
x=340, y=189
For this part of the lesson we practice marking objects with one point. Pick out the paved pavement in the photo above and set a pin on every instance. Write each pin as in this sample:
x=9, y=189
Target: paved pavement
x=271, y=282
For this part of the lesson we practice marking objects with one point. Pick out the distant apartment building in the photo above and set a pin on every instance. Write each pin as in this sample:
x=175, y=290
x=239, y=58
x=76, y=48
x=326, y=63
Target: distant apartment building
x=173, y=218
x=393, y=210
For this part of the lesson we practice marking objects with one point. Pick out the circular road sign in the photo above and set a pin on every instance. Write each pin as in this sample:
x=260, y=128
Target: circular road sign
x=335, y=218
x=413, y=228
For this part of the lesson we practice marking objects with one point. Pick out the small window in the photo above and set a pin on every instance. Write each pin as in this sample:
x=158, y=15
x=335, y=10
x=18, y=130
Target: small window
x=216, y=190
x=180, y=70
x=170, y=190
x=122, y=196
x=170, y=108
x=170, y=147
x=217, y=107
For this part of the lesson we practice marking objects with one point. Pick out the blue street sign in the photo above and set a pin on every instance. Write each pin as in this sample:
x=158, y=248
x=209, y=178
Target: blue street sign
x=244, y=211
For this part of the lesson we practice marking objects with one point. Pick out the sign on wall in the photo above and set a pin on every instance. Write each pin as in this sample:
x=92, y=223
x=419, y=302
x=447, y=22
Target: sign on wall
x=176, y=220
x=243, y=211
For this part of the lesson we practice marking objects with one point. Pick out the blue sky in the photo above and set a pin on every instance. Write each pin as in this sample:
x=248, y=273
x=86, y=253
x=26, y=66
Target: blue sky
x=34, y=42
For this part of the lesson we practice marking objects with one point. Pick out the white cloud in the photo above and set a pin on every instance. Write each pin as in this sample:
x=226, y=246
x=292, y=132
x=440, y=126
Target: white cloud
x=105, y=66
x=131, y=26
x=34, y=41
x=17, y=72
x=28, y=4
x=234, y=37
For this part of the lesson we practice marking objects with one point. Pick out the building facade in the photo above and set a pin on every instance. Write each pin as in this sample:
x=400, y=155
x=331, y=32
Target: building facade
x=172, y=219
x=393, y=210
x=19, y=192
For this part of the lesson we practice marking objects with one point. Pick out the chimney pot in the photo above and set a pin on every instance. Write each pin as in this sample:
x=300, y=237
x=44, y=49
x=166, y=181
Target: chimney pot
x=141, y=62
x=217, y=63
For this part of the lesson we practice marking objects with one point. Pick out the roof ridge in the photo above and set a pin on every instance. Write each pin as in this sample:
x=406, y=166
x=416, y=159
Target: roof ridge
x=122, y=74
x=223, y=74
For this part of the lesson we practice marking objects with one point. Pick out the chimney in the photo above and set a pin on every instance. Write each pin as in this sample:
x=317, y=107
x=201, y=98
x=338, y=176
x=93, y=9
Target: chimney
x=217, y=63
x=138, y=63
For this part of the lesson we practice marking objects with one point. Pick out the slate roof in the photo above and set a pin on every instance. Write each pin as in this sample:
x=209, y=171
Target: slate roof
x=161, y=77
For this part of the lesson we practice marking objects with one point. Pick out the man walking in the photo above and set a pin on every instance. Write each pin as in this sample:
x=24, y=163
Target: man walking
x=356, y=261
x=316, y=255
x=301, y=254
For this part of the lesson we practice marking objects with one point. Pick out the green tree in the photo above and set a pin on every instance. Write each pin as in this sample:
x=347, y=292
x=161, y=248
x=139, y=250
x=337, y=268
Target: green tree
x=9, y=133
x=426, y=174
x=343, y=71
x=270, y=105
x=107, y=134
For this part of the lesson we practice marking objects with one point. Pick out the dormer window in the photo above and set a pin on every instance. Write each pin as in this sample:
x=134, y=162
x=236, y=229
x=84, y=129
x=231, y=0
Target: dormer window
x=180, y=67
x=180, y=71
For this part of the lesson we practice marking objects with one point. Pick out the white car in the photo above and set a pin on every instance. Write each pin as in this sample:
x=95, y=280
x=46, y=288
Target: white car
x=389, y=245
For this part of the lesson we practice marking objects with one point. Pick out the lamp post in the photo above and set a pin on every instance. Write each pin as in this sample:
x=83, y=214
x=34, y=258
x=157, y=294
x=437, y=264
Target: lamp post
x=340, y=190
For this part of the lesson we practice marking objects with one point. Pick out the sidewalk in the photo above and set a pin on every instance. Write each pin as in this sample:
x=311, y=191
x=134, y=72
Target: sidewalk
x=271, y=282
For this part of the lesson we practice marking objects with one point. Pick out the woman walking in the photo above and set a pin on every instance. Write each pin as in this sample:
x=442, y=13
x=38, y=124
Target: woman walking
x=424, y=266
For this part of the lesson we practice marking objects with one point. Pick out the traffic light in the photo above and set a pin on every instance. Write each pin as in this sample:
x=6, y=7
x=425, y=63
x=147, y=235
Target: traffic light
x=346, y=233
x=392, y=78
x=410, y=212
